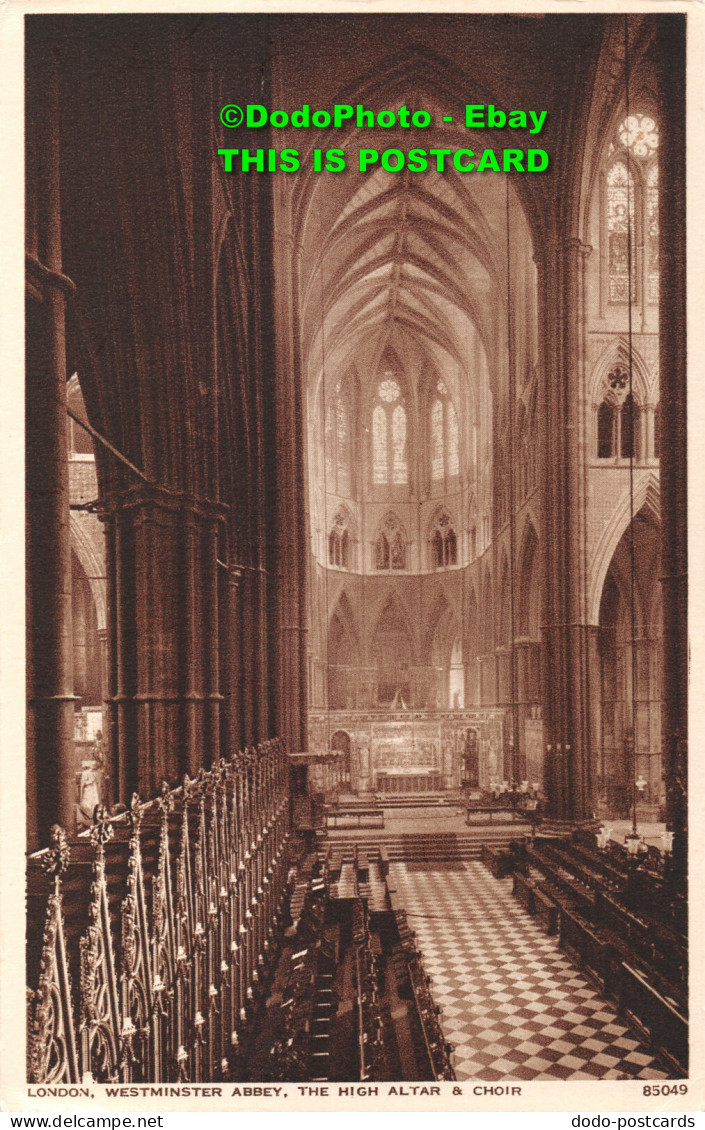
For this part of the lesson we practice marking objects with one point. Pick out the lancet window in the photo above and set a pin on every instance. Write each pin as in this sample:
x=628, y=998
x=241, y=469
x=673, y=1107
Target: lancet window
x=339, y=443
x=339, y=542
x=443, y=542
x=389, y=434
x=619, y=418
x=445, y=459
x=631, y=211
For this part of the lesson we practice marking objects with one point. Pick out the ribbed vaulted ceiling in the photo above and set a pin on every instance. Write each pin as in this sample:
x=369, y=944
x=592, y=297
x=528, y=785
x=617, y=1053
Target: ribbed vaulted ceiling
x=420, y=257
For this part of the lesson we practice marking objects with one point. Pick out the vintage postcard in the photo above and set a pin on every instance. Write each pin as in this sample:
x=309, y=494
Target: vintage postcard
x=349, y=690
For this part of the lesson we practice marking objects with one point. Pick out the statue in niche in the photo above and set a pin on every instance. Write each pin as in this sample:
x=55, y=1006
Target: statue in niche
x=398, y=552
x=492, y=759
x=89, y=792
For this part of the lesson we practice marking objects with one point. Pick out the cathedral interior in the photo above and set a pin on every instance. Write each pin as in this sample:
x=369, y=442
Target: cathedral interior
x=356, y=555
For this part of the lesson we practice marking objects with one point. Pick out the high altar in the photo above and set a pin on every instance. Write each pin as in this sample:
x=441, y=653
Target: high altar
x=411, y=751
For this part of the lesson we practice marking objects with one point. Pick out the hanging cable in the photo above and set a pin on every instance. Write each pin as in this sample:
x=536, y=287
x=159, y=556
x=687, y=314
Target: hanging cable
x=326, y=532
x=113, y=450
x=512, y=532
x=632, y=438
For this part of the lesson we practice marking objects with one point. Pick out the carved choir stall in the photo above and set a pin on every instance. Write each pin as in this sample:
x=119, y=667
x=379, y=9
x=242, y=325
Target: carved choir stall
x=151, y=935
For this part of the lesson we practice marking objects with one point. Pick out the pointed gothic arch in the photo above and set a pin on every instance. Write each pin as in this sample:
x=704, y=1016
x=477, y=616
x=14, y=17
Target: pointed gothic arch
x=392, y=652
x=342, y=655
x=504, y=608
x=529, y=595
x=442, y=539
x=646, y=496
x=487, y=625
x=390, y=547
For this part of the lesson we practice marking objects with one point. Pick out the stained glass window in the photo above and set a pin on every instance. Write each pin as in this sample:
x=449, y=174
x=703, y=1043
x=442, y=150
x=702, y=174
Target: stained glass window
x=389, y=391
x=639, y=135
x=338, y=443
x=389, y=463
x=620, y=216
x=631, y=204
x=330, y=446
x=379, y=445
x=453, y=458
x=445, y=458
x=652, y=233
x=437, y=440
x=343, y=445
x=401, y=475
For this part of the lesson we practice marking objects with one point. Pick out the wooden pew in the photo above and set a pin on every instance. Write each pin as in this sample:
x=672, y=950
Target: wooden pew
x=655, y=1019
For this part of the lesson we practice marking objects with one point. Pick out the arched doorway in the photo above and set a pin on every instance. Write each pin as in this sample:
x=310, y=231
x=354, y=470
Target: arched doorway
x=470, y=768
x=340, y=743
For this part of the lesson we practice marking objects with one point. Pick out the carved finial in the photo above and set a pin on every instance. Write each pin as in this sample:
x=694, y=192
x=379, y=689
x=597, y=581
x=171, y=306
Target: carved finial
x=134, y=814
x=56, y=858
x=102, y=831
x=165, y=800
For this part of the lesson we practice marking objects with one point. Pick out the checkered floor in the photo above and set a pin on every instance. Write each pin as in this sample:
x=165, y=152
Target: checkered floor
x=512, y=1003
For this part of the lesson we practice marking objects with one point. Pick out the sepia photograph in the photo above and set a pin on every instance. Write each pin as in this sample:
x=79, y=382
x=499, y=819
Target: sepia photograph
x=356, y=554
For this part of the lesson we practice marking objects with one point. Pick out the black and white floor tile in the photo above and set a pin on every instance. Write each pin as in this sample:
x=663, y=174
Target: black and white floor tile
x=512, y=1003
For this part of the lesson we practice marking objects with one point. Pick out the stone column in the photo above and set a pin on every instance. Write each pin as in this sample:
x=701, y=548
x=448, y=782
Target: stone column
x=292, y=547
x=230, y=659
x=164, y=698
x=50, y=698
x=528, y=664
x=566, y=686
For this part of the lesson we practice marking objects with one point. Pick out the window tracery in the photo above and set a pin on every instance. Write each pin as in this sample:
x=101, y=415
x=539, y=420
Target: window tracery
x=620, y=216
x=443, y=542
x=389, y=438
x=445, y=458
x=639, y=134
x=379, y=444
x=390, y=546
x=631, y=211
x=339, y=542
x=652, y=233
x=400, y=475
x=437, y=440
x=619, y=418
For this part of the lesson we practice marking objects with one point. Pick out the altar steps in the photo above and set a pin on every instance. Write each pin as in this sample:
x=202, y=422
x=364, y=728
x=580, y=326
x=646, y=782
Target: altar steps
x=416, y=800
x=427, y=847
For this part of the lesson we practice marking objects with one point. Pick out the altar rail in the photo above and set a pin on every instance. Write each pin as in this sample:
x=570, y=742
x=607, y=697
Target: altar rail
x=150, y=935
